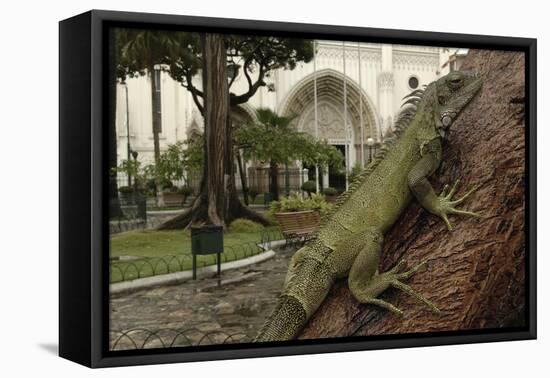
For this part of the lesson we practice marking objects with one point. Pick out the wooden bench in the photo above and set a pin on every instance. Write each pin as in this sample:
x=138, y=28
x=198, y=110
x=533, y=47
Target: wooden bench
x=299, y=225
x=173, y=199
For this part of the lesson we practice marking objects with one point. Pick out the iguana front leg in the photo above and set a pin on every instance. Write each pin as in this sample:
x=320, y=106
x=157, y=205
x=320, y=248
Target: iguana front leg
x=441, y=205
x=366, y=284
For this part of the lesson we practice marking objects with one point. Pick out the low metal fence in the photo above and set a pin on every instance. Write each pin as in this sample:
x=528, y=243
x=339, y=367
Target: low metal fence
x=127, y=269
x=142, y=338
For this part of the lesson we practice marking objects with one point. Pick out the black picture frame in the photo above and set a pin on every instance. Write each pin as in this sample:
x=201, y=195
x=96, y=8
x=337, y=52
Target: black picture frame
x=83, y=233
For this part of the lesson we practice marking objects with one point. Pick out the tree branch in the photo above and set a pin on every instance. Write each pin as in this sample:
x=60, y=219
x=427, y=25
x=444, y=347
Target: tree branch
x=252, y=88
x=195, y=93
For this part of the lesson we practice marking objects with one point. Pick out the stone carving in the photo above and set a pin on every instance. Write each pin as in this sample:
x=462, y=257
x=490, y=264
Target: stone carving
x=385, y=80
x=331, y=124
x=419, y=62
x=335, y=52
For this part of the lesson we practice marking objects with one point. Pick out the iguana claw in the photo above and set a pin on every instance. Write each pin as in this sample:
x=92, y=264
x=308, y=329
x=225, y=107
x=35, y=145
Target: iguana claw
x=446, y=205
x=396, y=280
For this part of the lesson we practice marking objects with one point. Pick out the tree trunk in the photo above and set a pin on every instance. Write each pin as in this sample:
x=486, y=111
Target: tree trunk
x=157, y=124
x=242, y=174
x=218, y=183
x=216, y=109
x=114, y=204
x=476, y=272
x=274, y=180
x=208, y=207
x=235, y=208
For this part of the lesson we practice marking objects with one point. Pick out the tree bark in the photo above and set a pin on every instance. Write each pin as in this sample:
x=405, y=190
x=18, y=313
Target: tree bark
x=208, y=207
x=218, y=201
x=476, y=273
x=216, y=109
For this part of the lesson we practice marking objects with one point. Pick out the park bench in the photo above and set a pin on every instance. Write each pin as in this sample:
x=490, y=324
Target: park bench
x=173, y=199
x=298, y=226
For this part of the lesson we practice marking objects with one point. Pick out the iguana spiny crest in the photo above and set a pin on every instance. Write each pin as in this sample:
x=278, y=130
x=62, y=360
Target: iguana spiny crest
x=349, y=242
x=452, y=92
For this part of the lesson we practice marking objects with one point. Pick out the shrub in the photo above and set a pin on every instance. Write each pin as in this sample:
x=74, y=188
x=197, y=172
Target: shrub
x=309, y=187
x=355, y=172
x=126, y=189
x=330, y=191
x=167, y=185
x=245, y=225
x=185, y=190
x=296, y=203
x=151, y=187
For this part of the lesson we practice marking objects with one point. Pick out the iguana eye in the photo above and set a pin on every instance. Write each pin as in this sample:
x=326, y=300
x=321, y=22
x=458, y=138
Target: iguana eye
x=441, y=99
x=455, y=82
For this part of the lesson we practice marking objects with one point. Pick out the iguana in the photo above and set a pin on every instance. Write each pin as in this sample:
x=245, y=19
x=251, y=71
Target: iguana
x=350, y=239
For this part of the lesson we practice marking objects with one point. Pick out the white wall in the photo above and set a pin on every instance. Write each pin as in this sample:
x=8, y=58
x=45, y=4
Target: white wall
x=179, y=110
x=30, y=159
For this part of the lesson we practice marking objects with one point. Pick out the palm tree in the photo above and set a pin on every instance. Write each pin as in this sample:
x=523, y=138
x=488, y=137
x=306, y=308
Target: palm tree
x=118, y=70
x=272, y=138
x=274, y=125
x=144, y=50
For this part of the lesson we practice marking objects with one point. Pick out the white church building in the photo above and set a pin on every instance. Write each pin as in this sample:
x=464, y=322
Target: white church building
x=363, y=83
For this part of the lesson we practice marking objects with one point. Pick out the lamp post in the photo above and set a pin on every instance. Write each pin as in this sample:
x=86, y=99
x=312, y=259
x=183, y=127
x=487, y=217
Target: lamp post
x=139, y=199
x=370, y=143
x=128, y=149
x=135, y=156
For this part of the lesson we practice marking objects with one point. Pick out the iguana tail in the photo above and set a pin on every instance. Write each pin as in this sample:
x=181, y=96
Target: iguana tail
x=285, y=322
x=308, y=282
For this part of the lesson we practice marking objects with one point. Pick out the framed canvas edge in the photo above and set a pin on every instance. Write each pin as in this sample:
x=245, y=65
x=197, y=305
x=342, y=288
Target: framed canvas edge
x=98, y=247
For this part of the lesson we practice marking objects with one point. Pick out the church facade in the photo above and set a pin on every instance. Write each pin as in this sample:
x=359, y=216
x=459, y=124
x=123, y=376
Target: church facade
x=362, y=83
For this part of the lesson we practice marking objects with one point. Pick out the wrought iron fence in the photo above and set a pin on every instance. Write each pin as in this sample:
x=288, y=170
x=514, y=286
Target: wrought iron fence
x=256, y=178
x=123, y=224
x=142, y=338
x=127, y=269
x=291, y=179
x=270, y=235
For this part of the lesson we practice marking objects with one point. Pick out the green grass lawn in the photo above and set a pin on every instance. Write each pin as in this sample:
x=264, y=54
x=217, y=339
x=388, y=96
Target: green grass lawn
x=161, y=252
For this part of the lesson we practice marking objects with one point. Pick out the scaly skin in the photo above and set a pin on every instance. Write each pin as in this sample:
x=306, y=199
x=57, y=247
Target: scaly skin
x=350, y=240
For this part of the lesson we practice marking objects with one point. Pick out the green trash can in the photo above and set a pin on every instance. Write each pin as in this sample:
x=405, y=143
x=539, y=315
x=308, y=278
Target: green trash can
x=268, y=197
x=206, y=240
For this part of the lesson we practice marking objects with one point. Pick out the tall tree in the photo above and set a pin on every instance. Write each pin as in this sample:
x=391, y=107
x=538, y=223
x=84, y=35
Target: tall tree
x=144, y=50
x=216, y=112
x=271, y=139
x=119, y=67
x=253, y=58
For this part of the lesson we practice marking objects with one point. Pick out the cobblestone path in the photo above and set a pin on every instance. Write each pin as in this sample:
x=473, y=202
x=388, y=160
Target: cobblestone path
x=199, y=312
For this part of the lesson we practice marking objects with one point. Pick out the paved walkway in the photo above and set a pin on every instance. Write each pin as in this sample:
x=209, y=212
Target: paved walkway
x=199, y=312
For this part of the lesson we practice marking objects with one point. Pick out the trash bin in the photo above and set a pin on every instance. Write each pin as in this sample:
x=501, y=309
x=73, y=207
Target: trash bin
x=267, y=199
x=141, y=202
x=206, y=240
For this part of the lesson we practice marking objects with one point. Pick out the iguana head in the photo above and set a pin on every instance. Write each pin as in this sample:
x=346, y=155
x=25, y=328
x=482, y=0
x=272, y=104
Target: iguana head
x=454, y=91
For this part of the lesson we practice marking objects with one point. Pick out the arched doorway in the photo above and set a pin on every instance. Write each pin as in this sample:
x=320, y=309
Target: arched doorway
x=351, y=138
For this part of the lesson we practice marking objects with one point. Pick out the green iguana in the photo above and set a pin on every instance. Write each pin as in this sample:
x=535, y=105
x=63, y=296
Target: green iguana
x=349, y=241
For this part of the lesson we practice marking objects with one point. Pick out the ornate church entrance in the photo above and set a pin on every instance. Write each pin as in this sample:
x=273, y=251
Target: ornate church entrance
x=339, y=113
